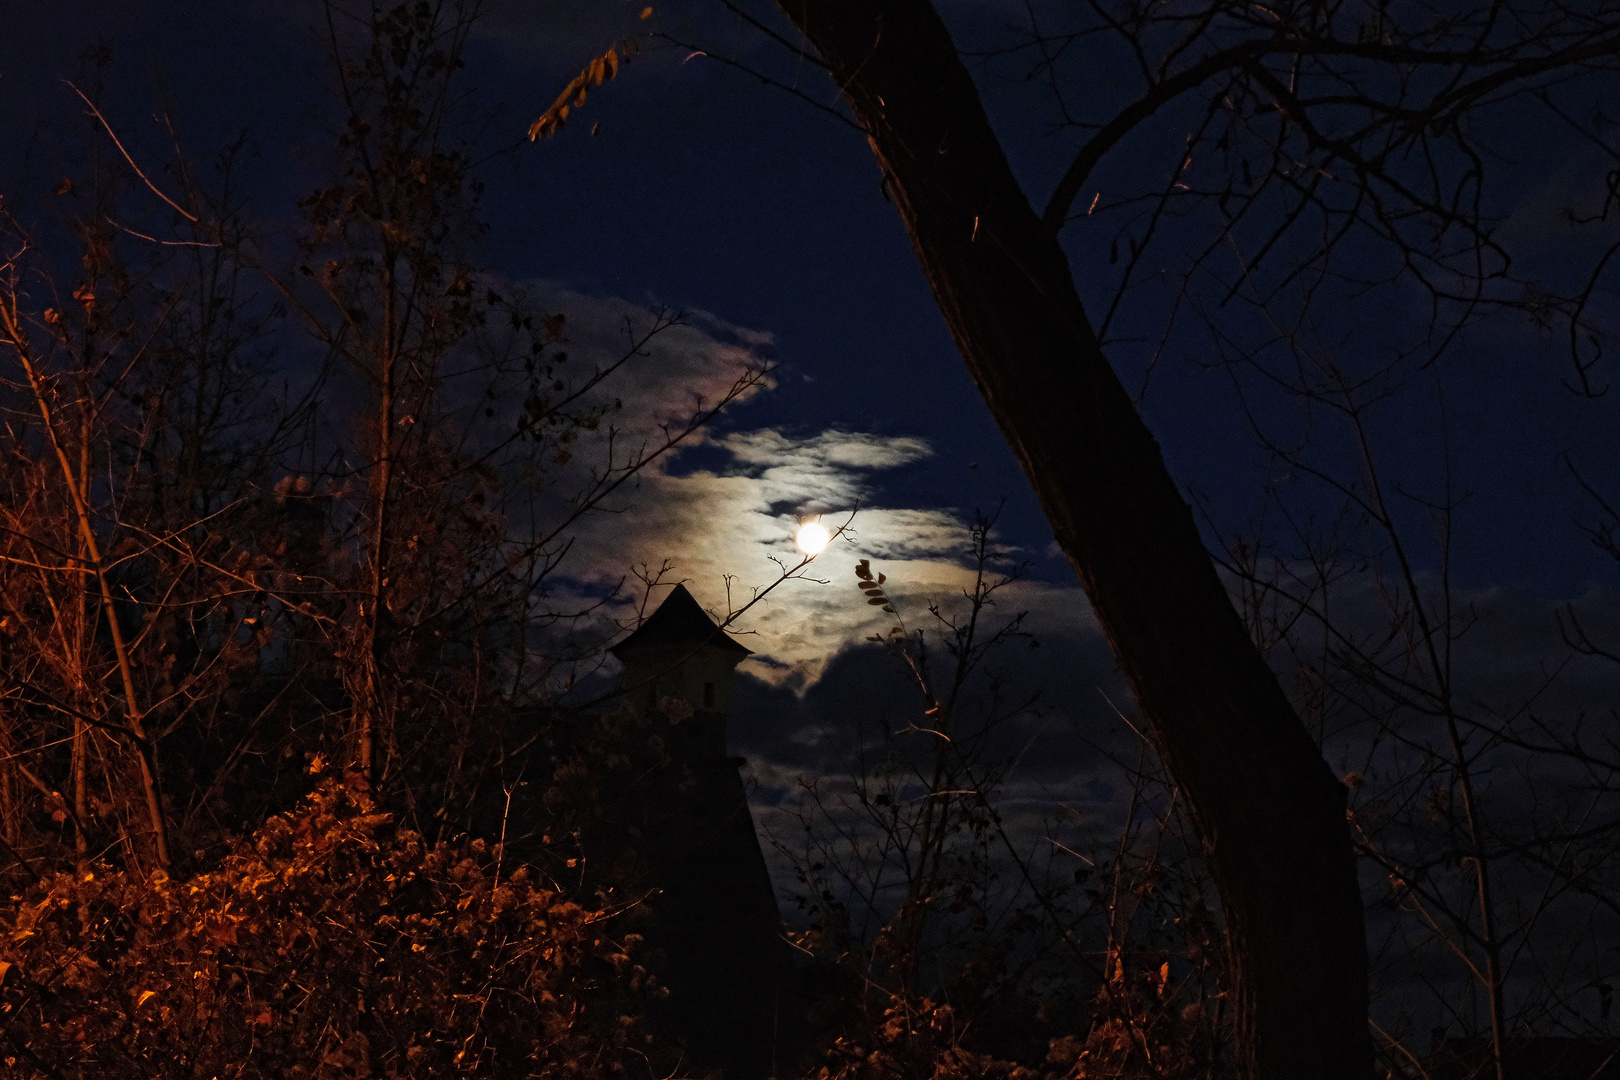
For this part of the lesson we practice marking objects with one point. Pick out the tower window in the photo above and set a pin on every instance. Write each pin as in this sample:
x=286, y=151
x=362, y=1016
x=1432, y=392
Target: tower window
x=708, y=695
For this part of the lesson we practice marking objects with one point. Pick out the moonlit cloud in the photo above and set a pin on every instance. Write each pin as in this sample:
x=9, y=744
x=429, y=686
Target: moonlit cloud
x=736, y=523
x=729, y=534
x=688, y=365
x=727, y=528
x=830, y=450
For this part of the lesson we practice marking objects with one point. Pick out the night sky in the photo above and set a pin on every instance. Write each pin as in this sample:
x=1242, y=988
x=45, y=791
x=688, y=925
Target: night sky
x=706, y=191
x=688, y=184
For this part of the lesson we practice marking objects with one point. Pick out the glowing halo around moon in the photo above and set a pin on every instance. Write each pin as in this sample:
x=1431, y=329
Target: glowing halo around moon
x=812, y=538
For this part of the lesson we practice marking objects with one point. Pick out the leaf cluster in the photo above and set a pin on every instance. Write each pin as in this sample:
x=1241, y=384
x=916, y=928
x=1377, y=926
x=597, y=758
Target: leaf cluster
x=332, y=942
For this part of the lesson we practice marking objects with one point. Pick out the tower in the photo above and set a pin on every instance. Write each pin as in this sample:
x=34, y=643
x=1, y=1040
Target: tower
x=715, y=917
x=680, y=652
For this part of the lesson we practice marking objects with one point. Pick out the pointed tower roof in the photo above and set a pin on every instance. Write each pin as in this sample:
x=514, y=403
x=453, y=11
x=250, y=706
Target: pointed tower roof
x=679, y=620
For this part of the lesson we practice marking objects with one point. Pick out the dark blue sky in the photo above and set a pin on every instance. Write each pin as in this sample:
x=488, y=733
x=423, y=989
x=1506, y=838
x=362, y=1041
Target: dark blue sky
x=705, y=190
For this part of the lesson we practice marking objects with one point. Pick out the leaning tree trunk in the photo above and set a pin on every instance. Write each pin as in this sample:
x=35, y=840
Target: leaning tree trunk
x=1270, y=813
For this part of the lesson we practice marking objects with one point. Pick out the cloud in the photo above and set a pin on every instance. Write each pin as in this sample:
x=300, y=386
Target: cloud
x=727, y=530
x=690, y=363
x=830, y=449
x=728, y=533
x=722, y=510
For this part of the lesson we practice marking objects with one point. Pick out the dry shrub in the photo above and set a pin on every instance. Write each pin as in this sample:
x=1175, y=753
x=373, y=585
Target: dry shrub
x=916, y=1039
x=1142, y=1026
x=333, y=944
x=1145, y=1025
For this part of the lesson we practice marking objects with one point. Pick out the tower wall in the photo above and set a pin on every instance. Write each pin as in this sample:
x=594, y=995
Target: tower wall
x=703, y=677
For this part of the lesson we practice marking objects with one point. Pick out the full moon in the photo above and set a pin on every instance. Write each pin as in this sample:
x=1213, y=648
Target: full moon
x=811, y=538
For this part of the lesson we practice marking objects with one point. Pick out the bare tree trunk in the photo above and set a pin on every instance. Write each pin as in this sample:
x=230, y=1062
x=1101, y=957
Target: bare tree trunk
x=9, y=808
x=1270, y=813
x=373, y=712
x=81, y=803
x=83, y=635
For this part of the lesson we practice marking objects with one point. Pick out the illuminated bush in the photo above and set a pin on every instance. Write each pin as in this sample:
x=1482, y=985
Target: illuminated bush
x=335, y=943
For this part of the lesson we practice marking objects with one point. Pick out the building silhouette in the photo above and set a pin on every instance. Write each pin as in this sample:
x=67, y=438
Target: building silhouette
x=715, y=931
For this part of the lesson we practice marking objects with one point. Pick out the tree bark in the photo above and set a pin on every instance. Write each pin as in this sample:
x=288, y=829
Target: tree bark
x=1270, y=813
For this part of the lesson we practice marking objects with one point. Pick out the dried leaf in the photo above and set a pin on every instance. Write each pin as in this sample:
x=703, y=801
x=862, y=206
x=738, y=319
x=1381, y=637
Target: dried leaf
x=598, y=71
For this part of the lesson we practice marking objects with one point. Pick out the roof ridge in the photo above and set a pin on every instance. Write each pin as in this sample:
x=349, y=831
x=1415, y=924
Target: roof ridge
x=680, y=619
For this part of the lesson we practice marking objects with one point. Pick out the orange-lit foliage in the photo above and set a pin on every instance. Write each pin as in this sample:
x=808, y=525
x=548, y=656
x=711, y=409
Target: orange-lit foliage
x=335, y=943
x=916, y=1039
x=1139, y=1029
